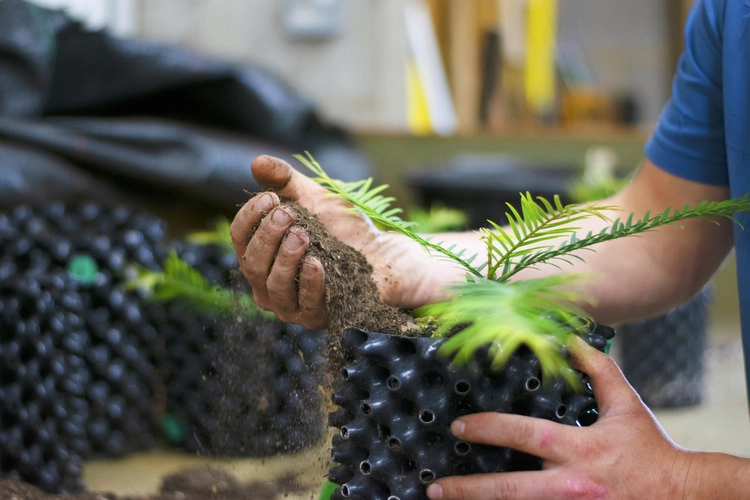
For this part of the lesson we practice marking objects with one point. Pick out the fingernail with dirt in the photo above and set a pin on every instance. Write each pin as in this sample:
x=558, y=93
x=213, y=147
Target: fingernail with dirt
x=292, y=242
x=265, y=203
x=280, y=217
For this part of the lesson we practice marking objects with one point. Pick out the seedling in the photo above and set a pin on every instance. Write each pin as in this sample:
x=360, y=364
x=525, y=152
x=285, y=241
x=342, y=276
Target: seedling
x=178, y=279
x=491, y=309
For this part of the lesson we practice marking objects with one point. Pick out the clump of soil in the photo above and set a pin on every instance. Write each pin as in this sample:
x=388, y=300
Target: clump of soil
x=200, y=483
x=351, y=294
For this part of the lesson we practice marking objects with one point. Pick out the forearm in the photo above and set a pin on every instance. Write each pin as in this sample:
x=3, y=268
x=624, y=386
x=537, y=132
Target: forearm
x=409, y=275
x=644, y=275
x=716, y=475
x=631, y=277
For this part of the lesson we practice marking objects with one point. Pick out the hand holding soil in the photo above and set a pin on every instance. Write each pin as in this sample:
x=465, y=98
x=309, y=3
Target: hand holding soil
x=301, y=271
x=273, y=240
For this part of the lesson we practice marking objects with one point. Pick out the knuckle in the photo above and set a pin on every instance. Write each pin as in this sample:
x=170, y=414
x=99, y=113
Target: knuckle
x=504, y=486
x=264, y=237
x=497, y=486
x=280, y=298
x=603, y=365
x=308, y=309
x=524, y=431
x=288, y=316
x=579, y=489
x=261, y=302
x=583, y=447
x=281, y=281
x=253, y=272
x=311, y=290
x=601, y=362
x=507, y=490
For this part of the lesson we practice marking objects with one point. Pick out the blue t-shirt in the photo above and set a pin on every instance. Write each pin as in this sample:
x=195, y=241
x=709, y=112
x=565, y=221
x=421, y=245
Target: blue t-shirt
x=703, y=132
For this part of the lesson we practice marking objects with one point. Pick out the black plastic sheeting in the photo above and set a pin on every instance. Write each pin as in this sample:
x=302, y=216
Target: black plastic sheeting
x=84, y=114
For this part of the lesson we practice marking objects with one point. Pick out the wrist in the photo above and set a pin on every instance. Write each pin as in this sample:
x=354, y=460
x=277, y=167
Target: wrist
x=714, y=475
x=407, y=275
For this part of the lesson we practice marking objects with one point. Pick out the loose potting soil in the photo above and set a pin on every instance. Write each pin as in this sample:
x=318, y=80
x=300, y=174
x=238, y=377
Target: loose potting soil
x=351, y=294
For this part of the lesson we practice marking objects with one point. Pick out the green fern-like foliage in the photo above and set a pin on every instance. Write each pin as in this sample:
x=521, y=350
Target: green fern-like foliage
x=522, y=313
x=541, y=221
x=377, y=208
x=622, y=228
x=490, y=309
x=219, y=235
x=179, y=280
x=530, y=232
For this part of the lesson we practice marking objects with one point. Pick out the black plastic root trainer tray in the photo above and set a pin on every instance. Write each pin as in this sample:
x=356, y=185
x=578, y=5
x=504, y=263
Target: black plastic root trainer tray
x=89, y=367
x=397, y=398
x=663, y=358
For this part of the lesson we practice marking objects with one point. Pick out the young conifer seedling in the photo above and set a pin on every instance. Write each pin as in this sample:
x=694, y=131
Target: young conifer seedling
x=490, y=309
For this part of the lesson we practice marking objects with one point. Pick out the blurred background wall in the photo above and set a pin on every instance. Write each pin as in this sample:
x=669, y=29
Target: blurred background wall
x=614, y=58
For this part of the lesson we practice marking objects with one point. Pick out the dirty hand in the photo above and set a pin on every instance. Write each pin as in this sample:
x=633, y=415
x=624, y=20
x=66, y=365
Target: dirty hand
x=271, y=248
x=624, y=455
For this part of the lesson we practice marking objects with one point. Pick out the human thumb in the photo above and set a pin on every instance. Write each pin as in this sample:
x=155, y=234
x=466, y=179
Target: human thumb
x=276, y=174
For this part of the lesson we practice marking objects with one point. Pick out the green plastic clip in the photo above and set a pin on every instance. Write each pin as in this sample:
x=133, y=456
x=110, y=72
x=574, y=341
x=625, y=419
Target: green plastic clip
x=83, y=268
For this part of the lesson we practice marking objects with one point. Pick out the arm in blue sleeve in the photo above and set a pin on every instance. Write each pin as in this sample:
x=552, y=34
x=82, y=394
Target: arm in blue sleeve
x=689, y=138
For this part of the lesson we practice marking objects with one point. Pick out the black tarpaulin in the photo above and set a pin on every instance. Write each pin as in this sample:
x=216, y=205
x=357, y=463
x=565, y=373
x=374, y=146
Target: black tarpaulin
x=87, y=114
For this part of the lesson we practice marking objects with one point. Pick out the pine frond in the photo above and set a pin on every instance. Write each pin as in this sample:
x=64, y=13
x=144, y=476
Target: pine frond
x=620, y=229
x=506, y=316
x=378, y=208
x=180, y=281
x=532, y=230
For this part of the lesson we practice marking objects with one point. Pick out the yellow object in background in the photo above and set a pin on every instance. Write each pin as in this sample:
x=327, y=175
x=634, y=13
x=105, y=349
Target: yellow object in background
x=418, y=109
x=430, y=108
x=541, y=34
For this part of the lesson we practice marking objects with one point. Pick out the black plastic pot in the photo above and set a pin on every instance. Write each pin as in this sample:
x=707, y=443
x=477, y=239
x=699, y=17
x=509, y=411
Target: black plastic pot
x=397, y=398
x=483, y=185
x=662, y=357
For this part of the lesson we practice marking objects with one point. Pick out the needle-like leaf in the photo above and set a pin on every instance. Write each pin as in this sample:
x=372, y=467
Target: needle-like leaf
x=489, y=309
x=179, y=280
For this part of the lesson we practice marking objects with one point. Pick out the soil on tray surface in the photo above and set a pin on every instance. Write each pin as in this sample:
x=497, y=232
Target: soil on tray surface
x=200, y=483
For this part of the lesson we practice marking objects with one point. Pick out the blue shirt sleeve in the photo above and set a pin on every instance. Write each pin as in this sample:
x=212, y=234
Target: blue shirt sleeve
x=688, y=140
